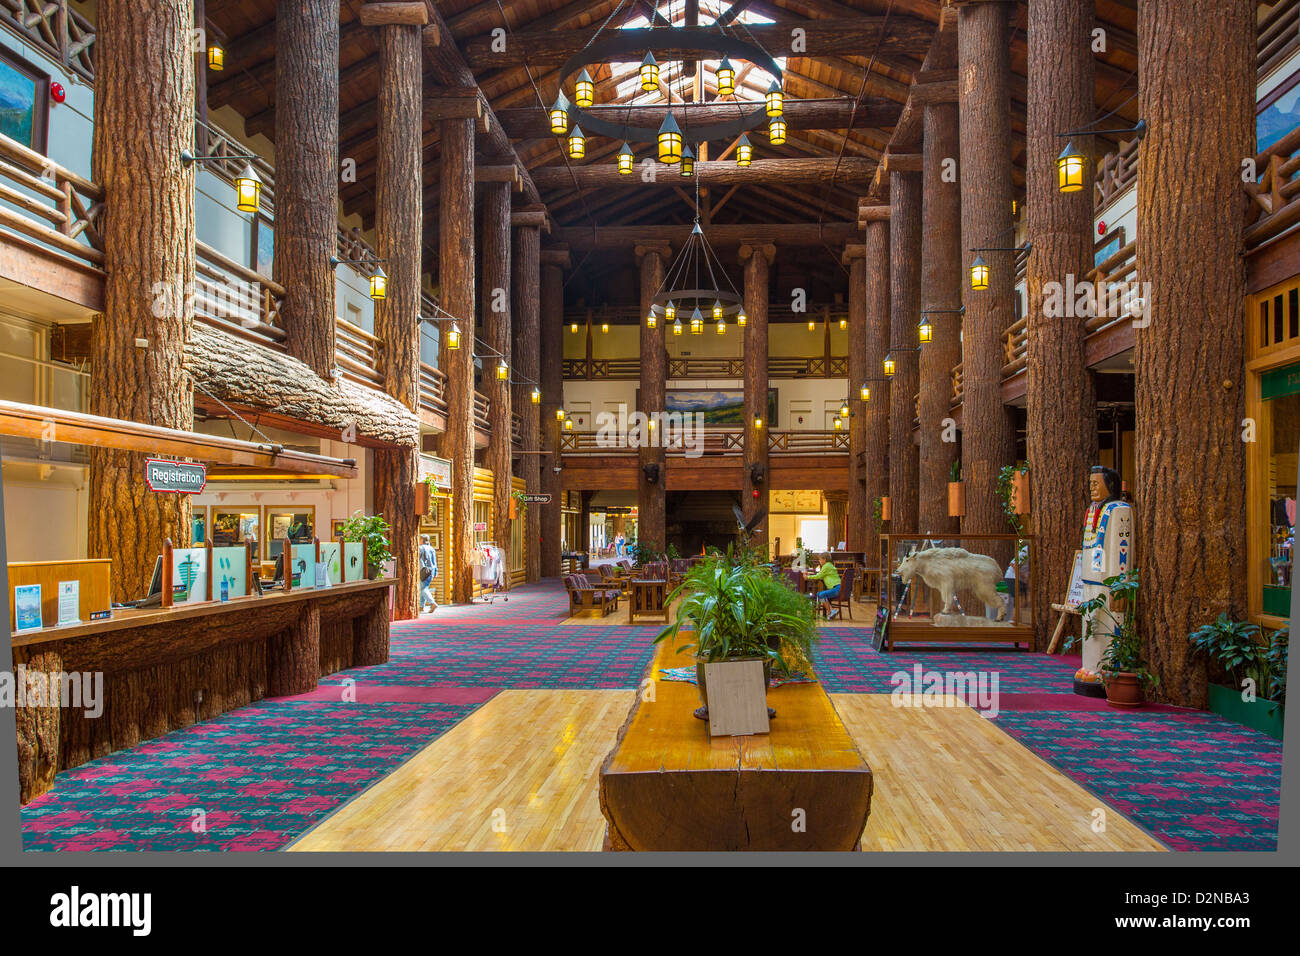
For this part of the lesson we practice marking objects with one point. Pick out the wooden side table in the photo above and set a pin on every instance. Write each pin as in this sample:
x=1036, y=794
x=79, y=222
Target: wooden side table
x=647, y=598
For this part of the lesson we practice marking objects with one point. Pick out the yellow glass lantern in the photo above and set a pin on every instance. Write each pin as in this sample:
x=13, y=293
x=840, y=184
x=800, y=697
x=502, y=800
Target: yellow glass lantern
x=776, y=131
x=888, y=364
x=503, y=371
x=584, y=90
x=979, y=274
x=677, y=327
x=864, y=392
x=573, y=327
x=726, y=76
x=742, y=319
x=453, y=337
x=844, y=410
x=925, y=331
x=744, y=151
x=378, y=284
x=625, y=160
x=559, y=414
x=577, y=144
x=758, y=421
x=649, y=73
x=1069, y=169
x=670, y=140
x=670, y=312
x=216, y=58
x=717, y=309
x=568, y=424
x=722, y=327
x=775, y=99
x=688, y=162
x=839, y=423
x=697, y=323
x=604, y=326
x=844, y=324
x=248, y=189
x=537, y=396
x=812, y=325
x=650, y=320
x=559, y=117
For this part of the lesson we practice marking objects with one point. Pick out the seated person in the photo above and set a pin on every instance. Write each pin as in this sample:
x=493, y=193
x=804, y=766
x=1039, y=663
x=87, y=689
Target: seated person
x=829, y=576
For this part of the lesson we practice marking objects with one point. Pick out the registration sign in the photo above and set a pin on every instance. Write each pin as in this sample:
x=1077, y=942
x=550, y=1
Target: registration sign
x=175, y=477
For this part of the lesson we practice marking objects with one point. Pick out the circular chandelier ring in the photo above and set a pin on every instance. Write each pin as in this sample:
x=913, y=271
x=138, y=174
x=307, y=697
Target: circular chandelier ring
x=731, y=302
x=627, y=42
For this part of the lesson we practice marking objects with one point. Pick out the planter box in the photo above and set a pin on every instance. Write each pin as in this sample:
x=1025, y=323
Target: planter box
x=884, y=508
x=1262, y=715
x=956, y=499
x=421, y=499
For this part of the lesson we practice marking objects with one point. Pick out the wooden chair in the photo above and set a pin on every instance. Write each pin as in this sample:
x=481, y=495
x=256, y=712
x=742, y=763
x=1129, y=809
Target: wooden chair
x=845, y=601
x=583, y=596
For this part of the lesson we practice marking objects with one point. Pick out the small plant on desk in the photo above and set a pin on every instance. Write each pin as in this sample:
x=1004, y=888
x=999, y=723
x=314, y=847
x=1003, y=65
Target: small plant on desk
x=373, y=532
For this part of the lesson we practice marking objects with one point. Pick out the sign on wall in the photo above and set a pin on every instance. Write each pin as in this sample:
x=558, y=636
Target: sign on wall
x=175, y=477
x=437, y=468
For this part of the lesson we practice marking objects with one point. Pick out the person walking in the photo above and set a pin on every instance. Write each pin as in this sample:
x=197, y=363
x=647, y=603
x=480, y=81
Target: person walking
x=428, y=571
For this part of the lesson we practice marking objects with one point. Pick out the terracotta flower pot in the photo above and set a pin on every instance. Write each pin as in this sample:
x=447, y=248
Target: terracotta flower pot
x=1123, y=690
x=956, y=499
x=884, y=508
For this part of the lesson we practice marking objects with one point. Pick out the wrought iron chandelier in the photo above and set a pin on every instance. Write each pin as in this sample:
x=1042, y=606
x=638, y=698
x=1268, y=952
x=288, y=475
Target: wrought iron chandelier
x=692, y=283
x=571, y=117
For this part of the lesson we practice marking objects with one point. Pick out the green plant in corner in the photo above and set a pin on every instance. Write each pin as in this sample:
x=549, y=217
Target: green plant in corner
x=1006, y=491
x=1235, y=646
x=373, y=532
x=1124, y=654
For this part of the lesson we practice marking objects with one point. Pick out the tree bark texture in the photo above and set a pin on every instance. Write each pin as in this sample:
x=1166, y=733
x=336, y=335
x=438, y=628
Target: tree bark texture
x=399, y=226
x=858, y=514
x=983, y=84
x=1060, y=399
x=148, y=232
x=307, y=176
x=940, y=290
x=1190, y=461
x=526, y=348
x=904, y=314
x=496, y=330
x=456, y=284
x=875, y=458
x=652, y=505
x=757, y=260
x=552, y=335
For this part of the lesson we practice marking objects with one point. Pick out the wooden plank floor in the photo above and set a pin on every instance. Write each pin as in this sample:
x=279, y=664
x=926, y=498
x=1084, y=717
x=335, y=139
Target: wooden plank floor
x=948, y=779
x=534, y=755
x=945, y=779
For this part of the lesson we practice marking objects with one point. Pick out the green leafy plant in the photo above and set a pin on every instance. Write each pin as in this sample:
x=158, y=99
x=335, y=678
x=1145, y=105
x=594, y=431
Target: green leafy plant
x=954, y=472
x=373, y=532
x=1124, y=653
x=878, y=514
x=1006, y=489
x=646, y=551
x=1277, y=660
x=735, y=608
x=1235, y=646
x=673, y=554
x=521, y=502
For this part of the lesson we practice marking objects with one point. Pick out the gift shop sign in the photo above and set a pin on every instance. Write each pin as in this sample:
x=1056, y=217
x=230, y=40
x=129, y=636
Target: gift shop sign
x=176, y=477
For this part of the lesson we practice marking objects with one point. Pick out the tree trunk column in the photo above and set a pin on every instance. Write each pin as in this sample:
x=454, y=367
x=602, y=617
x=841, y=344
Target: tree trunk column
x=307, y=177
x=496, y=329
x=456, y=285
x=904, y=314
x=940, y=289
x=144, y=81
x=757, y=260
x=554, y=262
x=399, y=224
x=983, y=81
x=525, y=293
x=858, y=512
x=876, y=441
x=1061, y=403
x=652, y=504
x=1190, y=462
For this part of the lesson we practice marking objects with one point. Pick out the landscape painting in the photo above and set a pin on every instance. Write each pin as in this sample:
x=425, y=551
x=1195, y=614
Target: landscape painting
x=721, y=407
x=22, y=107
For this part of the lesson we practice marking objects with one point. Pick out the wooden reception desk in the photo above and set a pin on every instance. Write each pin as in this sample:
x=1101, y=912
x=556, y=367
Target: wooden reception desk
x=168, y=668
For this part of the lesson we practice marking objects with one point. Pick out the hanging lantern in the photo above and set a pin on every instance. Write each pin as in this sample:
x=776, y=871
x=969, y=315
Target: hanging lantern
x=559, y=414
x=844, y=410
x=216, y=58
x=537, y=396
x=568, y=424
x=864, y=392
x=559, y=114
x=758, y=421
x=604, y=326
x=650, y=320
x=722, y=327
x=697, y=323
x=577, y=144
x=717, y=310
x=741, y=318
x=378, y=284
x=812, y=325
x=670, y=312
x=625, y=160
x=775, y=99
x=670, y=140
x=503, y=371
x=248, y=189
x=839, y=423
x=649, y=73
x=844, y=324
x=1069, y=169
x=688, y=162
x=726, y=77
x=744, y=151
x=584, y=90
x=925, y=331
x=453, y=337
x=573, y=327
x=776, y=131
x=888, y=364
x=979, y=274
x=677, y=327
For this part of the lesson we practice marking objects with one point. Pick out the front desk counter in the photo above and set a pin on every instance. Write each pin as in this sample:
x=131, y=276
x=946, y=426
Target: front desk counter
x=166, y=668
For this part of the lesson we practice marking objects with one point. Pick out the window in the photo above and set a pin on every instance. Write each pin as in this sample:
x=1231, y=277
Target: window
x=263, y=247
x=1277, y=114
x=24, y=101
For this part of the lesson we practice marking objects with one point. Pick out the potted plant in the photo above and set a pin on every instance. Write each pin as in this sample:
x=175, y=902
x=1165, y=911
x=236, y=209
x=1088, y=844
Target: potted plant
x=956, y=491
x=736, y=609
x=1256, y=670
x=372, y=531
x=1013, y=489
x=878, y=514
x=1124, y=670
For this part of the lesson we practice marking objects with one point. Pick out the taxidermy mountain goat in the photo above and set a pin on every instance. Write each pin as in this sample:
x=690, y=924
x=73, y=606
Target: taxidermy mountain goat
x=948, y=570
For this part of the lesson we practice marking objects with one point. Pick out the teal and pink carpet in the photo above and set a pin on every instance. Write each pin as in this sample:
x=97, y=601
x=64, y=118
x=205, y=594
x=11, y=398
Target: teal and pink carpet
x=259, y=777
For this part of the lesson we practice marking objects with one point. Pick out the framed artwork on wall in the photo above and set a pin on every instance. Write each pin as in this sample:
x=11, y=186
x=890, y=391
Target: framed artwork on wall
x=235, y=524
x=24, y=101
x=336, y=528
x=295, y=522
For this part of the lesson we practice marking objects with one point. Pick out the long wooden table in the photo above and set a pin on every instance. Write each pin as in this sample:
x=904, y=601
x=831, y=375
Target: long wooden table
x=163, y=669
x=667, y=786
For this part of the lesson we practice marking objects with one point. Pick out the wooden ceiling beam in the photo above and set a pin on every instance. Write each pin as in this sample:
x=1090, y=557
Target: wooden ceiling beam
x=848, y=170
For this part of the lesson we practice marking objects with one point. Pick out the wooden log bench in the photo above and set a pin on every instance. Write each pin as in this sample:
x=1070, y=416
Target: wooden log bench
x=168, y=668
x=667, y=786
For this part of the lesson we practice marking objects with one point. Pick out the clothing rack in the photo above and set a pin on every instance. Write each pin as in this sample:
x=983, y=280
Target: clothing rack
x=491, y=584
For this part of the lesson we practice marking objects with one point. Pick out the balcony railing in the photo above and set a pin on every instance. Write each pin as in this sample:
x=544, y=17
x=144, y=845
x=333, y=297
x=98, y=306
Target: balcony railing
x=1276, y=191
x=56, y=29
x=54, y=206
x=1279, y=35
x=778, y=366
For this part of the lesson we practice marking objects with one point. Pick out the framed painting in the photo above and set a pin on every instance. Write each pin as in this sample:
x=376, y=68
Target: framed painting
x=24, y=101
x=336, y=528
x=721, y=407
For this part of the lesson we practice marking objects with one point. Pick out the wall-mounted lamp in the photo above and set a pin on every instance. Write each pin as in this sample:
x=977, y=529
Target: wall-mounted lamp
x=979, y=269
x=378, y=279
x=248, y=185
x=1072, y=164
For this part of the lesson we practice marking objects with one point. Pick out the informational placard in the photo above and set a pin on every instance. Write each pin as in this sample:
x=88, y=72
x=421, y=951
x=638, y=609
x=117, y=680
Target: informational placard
x=69, y=602
x=882, y=628
x=27, y=607
x=304, y=565
x=175, y=477
x=331, y=555
x=189, y=575
x=737, y=698
x=229, y=573
x=354, y=561
x=1075, y=596
x=439, y=469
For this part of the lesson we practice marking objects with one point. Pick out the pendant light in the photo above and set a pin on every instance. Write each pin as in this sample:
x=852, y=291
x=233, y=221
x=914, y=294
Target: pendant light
x=677, y=327
x=864, y=392
x=248, y=189
x=888, y=365
x=776, y=131
x=379, y=284
x=717, y=310
x=670, y=140
x=584, y=90
x=453, y=337
x=979, y=274
x=744, y=151
x=573, y=327
x=559, y=115
x=577, y=144
x=925, y=331
x=650, y=320
x=625, y=160
x=670, y=312
x=559, y=414
x=726, y=77
x=742, y=319
x=697, y=322
x=1069, y=169
x=649, y=73
x=216, y=58
x=503, y=371
x=774, y=101
x=844, y=410
x=537, y=396
x=604, y=327
x=722, y=326
x=844, y=325
x=688, y=162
